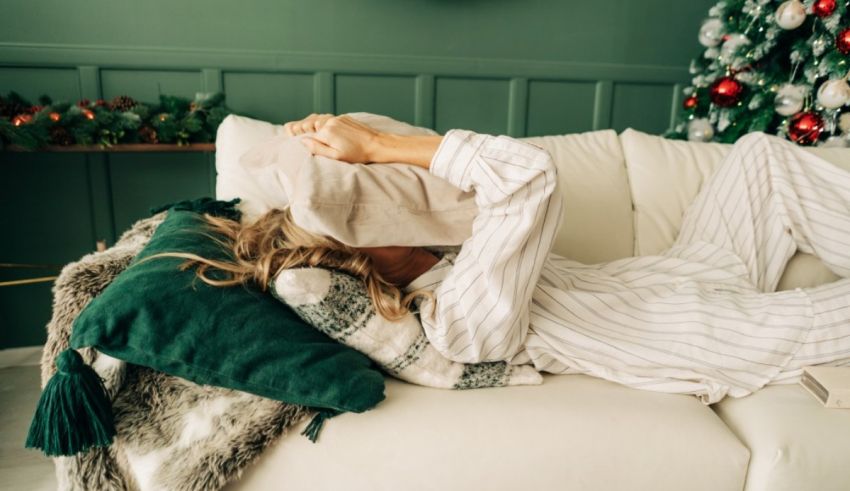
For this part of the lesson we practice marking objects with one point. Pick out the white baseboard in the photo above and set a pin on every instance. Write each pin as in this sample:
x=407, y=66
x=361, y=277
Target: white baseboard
x=20, y=357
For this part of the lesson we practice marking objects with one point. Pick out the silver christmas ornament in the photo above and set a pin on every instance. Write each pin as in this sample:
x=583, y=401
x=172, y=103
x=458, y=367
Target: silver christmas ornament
x=733, y=44
x=791, y=14
x=700, y=130
x=711, y=33
x=789, y=99
x=834, y=93
x=819, y=46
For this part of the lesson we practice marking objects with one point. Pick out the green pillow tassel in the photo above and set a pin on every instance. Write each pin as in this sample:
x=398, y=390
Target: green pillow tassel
x=312, y=430
x=74, y=412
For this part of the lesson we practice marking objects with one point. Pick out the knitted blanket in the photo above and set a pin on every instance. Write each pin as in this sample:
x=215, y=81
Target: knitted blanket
x=171, y=433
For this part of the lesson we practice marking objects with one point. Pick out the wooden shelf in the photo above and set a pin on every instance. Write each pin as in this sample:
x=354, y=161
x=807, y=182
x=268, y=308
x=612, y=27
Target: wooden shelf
x=122, y=147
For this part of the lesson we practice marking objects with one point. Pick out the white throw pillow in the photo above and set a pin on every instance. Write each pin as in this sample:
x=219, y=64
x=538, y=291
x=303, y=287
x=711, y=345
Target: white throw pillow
x=235, y=136
x=338, y=305
x=354, y=203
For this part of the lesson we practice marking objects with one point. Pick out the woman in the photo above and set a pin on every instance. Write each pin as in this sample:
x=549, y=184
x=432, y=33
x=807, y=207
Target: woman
x=702, y=318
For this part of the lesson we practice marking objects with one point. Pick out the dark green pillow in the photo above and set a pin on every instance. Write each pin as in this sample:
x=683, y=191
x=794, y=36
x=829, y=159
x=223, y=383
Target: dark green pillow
x=157, y=316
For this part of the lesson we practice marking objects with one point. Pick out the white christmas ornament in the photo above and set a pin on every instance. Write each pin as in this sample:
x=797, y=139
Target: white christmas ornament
x=732, y=45
x=711, y=53
x=711, y=33
x=789, y=99
x=791, y=14
x=834, y=93
x=700, y=130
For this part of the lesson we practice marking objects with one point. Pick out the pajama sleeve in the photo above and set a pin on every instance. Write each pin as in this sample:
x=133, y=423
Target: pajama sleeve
x=483, y=294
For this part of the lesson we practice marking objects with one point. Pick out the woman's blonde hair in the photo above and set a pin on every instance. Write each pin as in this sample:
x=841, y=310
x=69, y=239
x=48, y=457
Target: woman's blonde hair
x=274, y=242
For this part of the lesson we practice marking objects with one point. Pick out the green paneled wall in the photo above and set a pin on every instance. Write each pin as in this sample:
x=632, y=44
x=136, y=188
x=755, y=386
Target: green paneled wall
x=529, y=67
x=396, y=95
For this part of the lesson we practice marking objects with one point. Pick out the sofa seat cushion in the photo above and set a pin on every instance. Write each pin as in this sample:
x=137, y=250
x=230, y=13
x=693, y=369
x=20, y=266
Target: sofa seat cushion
x=795, y=441
x=572, y=432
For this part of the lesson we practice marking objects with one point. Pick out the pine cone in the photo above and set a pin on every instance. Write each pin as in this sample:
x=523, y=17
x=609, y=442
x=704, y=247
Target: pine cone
x=60, y=136
x=148, y=134
x=10, y=108
x=122, y=103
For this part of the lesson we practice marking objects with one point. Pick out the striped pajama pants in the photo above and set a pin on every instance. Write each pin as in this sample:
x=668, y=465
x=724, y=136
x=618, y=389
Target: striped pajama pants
x=701, y=318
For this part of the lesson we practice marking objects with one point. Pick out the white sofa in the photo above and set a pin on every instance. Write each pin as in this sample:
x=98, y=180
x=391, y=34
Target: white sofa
x=625, y=195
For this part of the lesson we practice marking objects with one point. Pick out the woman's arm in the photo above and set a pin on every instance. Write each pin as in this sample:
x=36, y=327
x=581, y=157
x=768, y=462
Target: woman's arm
x=483, y=299
x=343, y=138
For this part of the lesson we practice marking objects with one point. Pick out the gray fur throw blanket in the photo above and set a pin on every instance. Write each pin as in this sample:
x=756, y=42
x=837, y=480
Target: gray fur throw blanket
x=172, y=434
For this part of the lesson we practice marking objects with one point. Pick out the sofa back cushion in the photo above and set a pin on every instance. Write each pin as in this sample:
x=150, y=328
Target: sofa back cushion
x=597, y=224
x=666, y=175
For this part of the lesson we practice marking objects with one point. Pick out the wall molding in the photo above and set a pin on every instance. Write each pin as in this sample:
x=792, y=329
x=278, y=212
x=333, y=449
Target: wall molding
x=55, y=55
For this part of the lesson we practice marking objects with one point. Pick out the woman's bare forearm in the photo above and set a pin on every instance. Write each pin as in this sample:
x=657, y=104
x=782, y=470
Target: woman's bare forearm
x=417, y=150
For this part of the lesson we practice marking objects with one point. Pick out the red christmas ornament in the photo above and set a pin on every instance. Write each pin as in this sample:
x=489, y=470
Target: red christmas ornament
x=690, y=102
x=21, y=119
x=88, y=114
x=83, y=103
x=100, y=103
x=726, y=91
x=823, y=8
x=54, y=116
x=35, y=109
x=842, y=41
x=805, y=128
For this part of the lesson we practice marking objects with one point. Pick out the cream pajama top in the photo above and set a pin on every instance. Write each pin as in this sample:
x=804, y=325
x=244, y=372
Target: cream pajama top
x=701, y=318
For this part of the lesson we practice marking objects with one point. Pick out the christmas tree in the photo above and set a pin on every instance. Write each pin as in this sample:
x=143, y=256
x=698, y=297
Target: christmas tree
x=775, y=66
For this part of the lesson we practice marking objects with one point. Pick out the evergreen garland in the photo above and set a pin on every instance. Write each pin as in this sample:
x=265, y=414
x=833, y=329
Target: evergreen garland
x=122, y=120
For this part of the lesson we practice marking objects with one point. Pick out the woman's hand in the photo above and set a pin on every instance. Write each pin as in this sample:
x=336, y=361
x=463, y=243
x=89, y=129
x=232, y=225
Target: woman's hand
x=343, y=138
x=337, y=137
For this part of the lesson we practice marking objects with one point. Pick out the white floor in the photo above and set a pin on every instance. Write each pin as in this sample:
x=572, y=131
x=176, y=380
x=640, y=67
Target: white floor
x=20, y=469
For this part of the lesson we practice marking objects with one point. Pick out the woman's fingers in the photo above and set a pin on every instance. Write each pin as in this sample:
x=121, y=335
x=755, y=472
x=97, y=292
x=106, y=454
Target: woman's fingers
x=310, y=124
x=320, y=121
x=317, y=147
